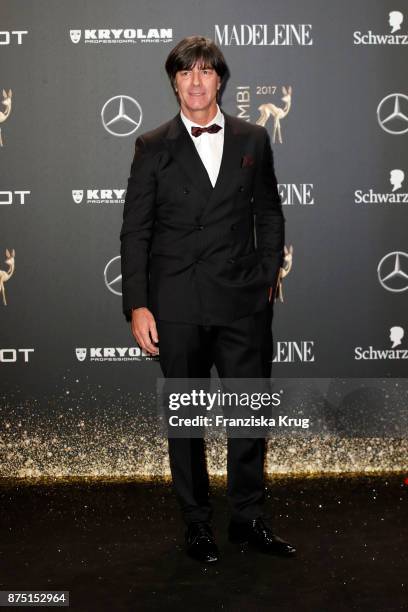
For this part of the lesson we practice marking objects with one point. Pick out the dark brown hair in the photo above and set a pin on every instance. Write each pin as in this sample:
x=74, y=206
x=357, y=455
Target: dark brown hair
x=192, y=50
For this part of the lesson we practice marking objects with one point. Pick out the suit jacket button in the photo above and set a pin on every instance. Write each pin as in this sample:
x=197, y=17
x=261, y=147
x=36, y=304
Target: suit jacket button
x=200, y=227
x=231, y=260
x=186, y=191
x=241, y=188
x=198, y=261
x=233, y=226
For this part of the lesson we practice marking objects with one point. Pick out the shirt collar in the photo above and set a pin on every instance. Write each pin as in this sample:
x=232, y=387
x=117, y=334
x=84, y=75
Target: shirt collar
x=219, y=119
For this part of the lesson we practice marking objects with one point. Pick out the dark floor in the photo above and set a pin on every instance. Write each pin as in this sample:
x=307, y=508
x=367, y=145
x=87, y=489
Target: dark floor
x=119, y=546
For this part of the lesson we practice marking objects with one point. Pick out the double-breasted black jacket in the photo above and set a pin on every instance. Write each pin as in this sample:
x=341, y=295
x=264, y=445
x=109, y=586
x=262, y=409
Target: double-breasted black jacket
x=191, y=252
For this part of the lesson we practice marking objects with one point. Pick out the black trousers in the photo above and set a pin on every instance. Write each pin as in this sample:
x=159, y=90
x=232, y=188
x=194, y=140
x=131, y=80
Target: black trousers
x=241, y=349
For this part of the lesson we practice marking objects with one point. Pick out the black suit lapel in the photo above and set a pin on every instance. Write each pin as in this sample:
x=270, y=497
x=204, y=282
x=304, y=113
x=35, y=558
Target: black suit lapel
x=231, y=158
x=184, y=152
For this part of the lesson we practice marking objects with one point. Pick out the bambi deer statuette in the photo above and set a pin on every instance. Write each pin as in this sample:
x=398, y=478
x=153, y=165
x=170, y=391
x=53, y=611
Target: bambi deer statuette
x=284, y=271
x=6, y=101
x=5, y=275
x=268, y=110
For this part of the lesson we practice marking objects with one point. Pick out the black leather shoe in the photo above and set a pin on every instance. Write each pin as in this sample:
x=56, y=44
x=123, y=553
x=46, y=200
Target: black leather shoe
x=260, y=535
x=200, y=542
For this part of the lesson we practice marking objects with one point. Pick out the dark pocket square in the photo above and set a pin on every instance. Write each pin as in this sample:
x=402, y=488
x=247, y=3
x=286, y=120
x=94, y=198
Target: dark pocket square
x=247, y=161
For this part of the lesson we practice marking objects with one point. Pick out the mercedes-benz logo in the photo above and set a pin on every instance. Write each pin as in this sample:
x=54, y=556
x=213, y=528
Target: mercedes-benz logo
x=389, y=112
x=113, y=276
x=391, y=273
x=121, y=118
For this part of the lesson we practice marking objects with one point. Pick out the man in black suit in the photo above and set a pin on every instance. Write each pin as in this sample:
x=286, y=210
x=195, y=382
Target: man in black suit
x=201, y=246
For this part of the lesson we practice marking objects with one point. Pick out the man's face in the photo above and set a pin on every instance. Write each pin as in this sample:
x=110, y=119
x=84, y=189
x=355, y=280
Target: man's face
x=197, y=88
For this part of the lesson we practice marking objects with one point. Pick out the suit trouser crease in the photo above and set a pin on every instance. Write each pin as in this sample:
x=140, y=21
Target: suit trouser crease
x=241, y=349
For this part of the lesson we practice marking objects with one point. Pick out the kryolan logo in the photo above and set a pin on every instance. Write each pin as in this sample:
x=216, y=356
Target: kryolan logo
x=99, y=196
x=112, y=353
x=279, y=34
x=77, y=195
x=80, y=353
x=395, y=19
x=121, y=36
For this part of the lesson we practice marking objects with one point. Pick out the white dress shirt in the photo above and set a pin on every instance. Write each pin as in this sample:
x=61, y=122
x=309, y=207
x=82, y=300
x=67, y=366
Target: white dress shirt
x=209, y=146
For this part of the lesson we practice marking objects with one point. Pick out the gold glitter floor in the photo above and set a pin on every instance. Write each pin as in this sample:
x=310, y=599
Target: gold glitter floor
x=121, y=456
x=119, y=436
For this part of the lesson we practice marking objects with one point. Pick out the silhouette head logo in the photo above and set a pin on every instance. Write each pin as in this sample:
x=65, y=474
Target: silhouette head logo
x=396, y=335
x=395, y=19
x=396, y=179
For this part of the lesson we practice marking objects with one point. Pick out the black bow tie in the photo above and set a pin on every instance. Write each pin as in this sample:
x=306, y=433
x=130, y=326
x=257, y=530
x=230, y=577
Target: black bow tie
x=211, y=129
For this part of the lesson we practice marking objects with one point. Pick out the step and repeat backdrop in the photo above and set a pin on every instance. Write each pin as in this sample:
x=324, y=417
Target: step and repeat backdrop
x=79, y=82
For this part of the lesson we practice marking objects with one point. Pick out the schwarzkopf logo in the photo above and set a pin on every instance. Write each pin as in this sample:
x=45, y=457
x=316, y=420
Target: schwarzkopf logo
x=370, y=354
x=396, y=178
x=279, y=34
x=395, y=19
x=121, y=36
